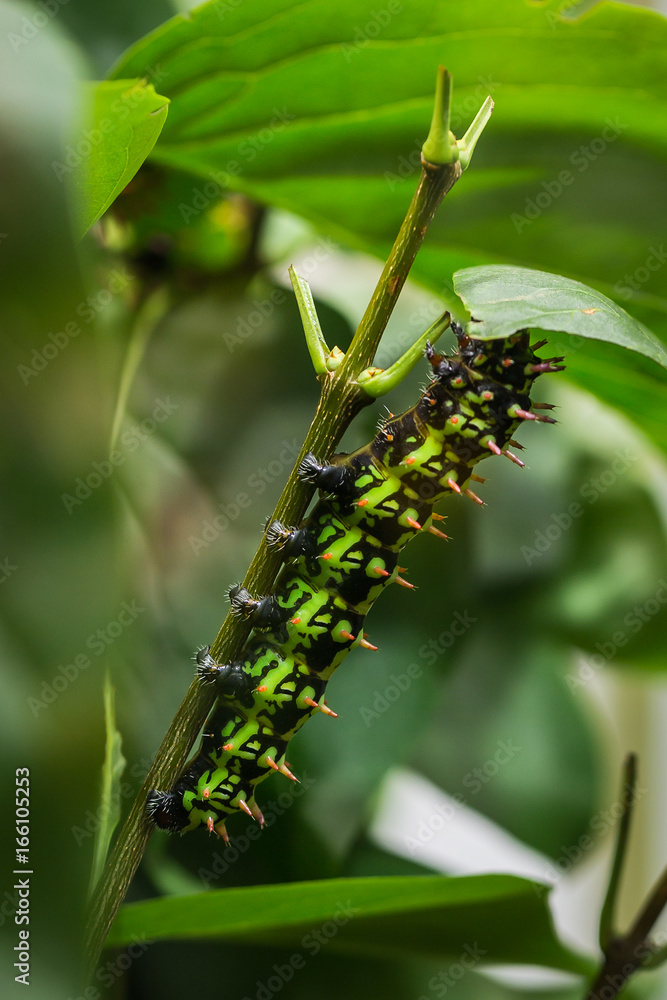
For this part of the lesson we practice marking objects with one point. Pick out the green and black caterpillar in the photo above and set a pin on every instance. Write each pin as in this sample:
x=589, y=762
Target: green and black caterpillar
x=337, y=563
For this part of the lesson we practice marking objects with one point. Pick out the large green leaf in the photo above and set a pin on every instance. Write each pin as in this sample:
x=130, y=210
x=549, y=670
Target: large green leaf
x=321, y=108
x=506, y=917
x=123, y=123
x=502, y=300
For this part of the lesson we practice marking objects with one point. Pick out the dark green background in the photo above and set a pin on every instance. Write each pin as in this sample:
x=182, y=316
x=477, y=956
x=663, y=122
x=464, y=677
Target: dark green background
x=356, y=116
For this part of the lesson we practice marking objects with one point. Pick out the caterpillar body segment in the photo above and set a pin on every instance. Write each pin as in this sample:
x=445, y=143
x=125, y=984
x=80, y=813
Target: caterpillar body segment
x=336, y=565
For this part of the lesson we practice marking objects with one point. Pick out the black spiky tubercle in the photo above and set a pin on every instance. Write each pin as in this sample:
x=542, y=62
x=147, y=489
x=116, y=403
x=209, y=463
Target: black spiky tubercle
x=338, y=562
x=166, y=810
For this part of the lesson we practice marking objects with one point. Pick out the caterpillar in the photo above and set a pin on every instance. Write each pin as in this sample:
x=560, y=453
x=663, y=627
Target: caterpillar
x=336, y=564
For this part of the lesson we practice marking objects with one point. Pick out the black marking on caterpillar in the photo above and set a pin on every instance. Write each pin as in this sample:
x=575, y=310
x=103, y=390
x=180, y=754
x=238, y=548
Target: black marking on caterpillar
x=338, y=562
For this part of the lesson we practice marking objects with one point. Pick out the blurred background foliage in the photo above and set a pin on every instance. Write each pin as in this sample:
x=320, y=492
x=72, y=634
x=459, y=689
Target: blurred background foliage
x=172, y=327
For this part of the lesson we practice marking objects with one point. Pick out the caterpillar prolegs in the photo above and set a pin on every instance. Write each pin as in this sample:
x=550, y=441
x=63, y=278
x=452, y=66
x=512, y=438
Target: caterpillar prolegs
x=338, y=562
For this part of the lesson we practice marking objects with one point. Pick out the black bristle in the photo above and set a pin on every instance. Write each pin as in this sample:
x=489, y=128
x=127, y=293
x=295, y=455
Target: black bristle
x=166, y=810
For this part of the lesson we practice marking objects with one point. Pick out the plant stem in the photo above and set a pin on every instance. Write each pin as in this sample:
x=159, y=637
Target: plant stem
x=149, y=313
x=607, y=917
x=625, y=954
x=434, y=183
x=650, y=912
x=340, y=400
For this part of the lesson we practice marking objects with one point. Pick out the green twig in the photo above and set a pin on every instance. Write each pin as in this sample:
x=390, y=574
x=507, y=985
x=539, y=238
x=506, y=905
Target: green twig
x=466, y=145
x=440, y=145
x=608, y=915
x=377, y=382
x=149, y=315
x=340, y=400
x=317, y=345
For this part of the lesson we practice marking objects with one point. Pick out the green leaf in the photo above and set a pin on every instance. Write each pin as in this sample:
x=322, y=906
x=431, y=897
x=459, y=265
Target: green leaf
x=320, y=109
x=506, y=917
x=122, y=126
x=112, y=772
x=628, y=382
x=503, y=299
x=323, y=108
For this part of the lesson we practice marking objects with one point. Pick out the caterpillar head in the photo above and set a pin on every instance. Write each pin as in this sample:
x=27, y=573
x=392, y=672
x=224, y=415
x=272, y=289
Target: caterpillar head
x=167, y=811
x=510, y=361
x=188, y=804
